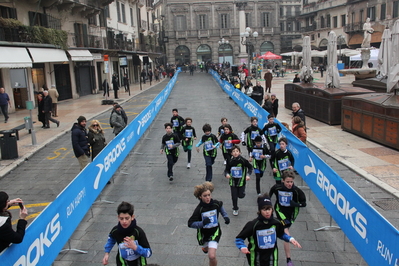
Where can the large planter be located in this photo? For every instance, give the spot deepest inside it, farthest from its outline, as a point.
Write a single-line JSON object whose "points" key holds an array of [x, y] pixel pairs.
{"points": [[318, 102], [373, 116]]}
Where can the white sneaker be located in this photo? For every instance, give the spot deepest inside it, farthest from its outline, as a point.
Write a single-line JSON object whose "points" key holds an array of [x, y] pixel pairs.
{"points": [[224, 162], [235, 212], [188, 166]]}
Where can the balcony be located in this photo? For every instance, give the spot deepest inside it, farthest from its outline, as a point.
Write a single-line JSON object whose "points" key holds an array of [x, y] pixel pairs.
{"points": [[203, 34], [181, 35], [309, 28], [141, 3], [225, 32], [353, 27], [144, 25], [267, 31], [95, 41]]}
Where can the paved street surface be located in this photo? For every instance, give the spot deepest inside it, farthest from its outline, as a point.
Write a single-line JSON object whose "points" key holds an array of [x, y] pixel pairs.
{"points": [[162, 208]]}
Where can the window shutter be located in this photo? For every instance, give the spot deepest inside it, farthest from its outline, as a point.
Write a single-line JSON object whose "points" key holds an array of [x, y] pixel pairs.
{"points": [[85, 36], [206, 21], [13, 13], [31, 15]]}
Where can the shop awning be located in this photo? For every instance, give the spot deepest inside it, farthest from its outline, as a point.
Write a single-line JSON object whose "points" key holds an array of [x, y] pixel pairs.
{"points": [[80, 55], [14, 57], [44, 55]]}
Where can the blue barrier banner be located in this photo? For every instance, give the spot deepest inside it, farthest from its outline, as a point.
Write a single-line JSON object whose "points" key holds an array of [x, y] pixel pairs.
{"points": [[373, 236], [50, 231]]}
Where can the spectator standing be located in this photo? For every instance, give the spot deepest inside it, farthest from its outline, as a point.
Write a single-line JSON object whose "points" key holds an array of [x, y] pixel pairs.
{"points": [[297, 111], [123, 113], [53, 93], [150, 75], [117, 121], [96, 138], [4, 103], [8, 235], [298, 128], [126, 82], [106, 88], [115, 85], [296, 79], [268, 80], [47, 108], [80, 143], [143, 75], [156, 74], [274, 104], [191, 67], [276, 69], [321, 69], [257, 93], [268, 105], [40, 113]]}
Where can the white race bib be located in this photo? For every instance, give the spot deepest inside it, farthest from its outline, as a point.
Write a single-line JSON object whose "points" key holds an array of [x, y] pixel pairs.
{"points": [[266, 238], [212, 215]]}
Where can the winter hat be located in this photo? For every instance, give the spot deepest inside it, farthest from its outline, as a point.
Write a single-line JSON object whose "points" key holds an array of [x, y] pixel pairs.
{"points": [[116, 106], [258, 139], [81, 118], [264, 201]]}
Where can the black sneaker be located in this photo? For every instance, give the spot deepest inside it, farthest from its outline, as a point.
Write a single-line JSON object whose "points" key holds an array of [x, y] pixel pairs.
{"points": [[170, 178]]}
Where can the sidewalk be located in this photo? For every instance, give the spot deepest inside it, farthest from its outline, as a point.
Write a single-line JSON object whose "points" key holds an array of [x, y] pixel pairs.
{"points": [[68, 112]]}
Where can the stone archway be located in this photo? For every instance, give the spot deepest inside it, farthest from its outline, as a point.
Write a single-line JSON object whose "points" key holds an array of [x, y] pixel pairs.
{"points": [[225, 53], [182, 55], [204, 53], [266, 47]]}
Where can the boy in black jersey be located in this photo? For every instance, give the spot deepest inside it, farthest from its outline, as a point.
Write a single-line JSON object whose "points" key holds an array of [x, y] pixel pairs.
{"points": [[249, 134], [189, 135], [258, 156], [262, 234], [133, 246], [170, 144], [227, 141], [206, 220], [271, 131], [211, 144], [289, 198], [238, 171], [282, 160], [221, 128], [177, 122]]}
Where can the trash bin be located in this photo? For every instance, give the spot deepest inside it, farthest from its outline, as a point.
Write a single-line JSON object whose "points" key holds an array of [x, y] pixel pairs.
{"points": [[8, 145], [28, 122]]}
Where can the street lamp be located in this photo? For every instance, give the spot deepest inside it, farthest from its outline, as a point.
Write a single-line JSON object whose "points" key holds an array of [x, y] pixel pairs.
{"points": [[246, 39], [341, 40], [223, 44]]}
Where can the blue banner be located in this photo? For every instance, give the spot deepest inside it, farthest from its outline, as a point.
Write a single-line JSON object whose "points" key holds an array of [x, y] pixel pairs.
{"points": [[373, 236], [50, 231]]}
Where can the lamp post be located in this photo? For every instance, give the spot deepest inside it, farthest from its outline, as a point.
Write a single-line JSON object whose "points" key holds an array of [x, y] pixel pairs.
{"points": [[223, 43], [246, 40], [341, 40]]}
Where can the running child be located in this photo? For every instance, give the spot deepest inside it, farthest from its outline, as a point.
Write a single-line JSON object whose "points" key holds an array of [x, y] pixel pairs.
{"points": [[221, 128], [133, 246], [177, 121], [271, 131], [258, 156], [205, 219], [227, 140], [211, 144], [238, 171], [289, 198], [170, 144], [262, 234], [189, 135], [249, 134], [282, 160]]}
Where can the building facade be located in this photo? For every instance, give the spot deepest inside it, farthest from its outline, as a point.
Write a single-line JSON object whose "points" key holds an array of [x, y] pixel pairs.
{"points": [[194, 29]]}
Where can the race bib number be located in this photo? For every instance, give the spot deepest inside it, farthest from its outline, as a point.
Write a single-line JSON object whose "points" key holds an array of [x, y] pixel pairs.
{"points": [[284, 198], [175, 123], [256, 153], [283, 164], [266, 238], [128, 253], [272, 131], [170, 142], [212, 215], [208, 145], [189, 133], [221, 131], [254, 134], [228, 145], [236, 172]]}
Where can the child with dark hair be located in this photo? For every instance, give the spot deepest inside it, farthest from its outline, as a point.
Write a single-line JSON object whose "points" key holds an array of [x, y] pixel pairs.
{"points": [[258, 156], [289, 198], [249, 134], [211, 144], [238, 171], [205, 219], [227, 141], [189, 135], [133, 246], [282, 160], [262, 234], [223, 120], [7, 233], [177, 122], [170, 144]]}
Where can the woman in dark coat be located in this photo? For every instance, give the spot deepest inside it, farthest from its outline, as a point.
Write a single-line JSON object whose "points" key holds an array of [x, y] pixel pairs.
{"points": [[40, 114], [96, 138], [267, 105], [274, 104]]}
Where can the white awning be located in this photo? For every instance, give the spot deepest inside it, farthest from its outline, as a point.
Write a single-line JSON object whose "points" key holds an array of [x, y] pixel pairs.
{"points": [[14, 57], [80, 55], [44, 55], [141, 58]]}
